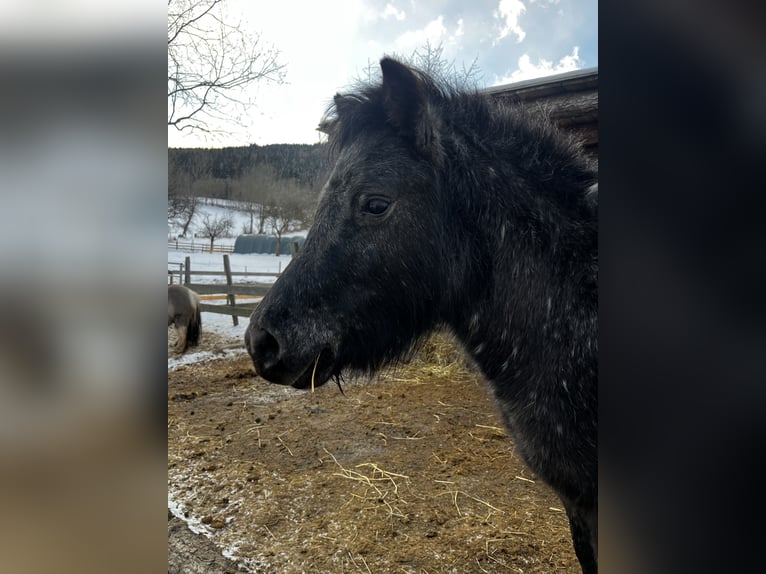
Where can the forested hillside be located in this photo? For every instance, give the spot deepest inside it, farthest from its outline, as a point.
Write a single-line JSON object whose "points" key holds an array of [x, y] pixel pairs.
{"points": [[220, 172], [277, 185]]}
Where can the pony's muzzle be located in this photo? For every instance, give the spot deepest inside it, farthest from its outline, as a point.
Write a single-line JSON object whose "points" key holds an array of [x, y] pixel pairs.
{"points": [[275, 362]]}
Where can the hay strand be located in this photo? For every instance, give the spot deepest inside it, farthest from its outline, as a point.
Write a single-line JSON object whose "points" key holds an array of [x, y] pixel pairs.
{"points": [[373, 481], [314, 372]]}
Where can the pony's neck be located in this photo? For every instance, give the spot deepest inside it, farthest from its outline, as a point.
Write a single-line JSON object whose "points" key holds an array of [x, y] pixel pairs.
{"points": [[523, 282], [534, 301]]}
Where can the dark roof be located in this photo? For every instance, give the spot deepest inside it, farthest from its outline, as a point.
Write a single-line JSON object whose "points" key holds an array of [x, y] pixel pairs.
{"points": [[574, 81]]}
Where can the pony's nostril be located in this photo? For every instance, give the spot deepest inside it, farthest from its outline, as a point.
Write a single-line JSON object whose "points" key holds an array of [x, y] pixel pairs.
{"points": [[264, 348]]}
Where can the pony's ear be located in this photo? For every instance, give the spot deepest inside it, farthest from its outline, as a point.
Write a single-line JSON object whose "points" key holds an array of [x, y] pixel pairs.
{"points": [[406, 101], [403, 94]]}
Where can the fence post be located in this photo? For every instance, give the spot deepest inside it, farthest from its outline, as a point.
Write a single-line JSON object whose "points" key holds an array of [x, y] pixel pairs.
{"points": [[187, 270], [230, 297], [293, 248]]}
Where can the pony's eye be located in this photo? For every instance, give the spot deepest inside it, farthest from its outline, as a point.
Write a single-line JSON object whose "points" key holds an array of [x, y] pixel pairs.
{"points": [[376, 206]]}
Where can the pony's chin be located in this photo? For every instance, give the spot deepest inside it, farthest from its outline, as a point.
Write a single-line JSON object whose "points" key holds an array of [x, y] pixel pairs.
{"points": [[320, 372]]}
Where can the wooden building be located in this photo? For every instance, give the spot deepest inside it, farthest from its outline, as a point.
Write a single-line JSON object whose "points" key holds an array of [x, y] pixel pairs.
{"points": [[571, 99]]}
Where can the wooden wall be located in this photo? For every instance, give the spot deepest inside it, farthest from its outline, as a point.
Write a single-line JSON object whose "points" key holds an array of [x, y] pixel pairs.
{"points": [[571, 99]]}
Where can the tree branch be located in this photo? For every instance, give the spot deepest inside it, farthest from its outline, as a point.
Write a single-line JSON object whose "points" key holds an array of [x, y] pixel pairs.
{"points": [[211, 63]]}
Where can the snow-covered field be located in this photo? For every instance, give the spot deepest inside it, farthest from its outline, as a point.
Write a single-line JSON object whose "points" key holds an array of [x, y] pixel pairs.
{"points": [[264, 263], [240, 219]]}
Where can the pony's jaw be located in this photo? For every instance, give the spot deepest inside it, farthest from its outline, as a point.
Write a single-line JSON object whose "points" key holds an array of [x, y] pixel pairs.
{"points": [[318, 371]]}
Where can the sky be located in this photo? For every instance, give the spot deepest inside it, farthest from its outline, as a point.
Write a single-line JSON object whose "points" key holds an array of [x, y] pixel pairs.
{"points": [[326, 45]]}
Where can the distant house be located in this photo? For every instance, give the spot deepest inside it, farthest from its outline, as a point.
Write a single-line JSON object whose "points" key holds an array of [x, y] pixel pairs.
{"points": [[571, 99]]}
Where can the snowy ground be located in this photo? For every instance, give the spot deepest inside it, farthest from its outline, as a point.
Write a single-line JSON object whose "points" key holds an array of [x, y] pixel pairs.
{"points": [[239, 262], [220, 325], [264, 263]]}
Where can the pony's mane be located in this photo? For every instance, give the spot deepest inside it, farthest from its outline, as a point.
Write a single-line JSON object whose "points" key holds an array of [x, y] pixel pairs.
{"points": [[362, 109], [468, 123]]}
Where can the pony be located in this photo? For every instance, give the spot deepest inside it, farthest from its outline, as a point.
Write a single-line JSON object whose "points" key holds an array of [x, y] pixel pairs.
{"points": [[184, 313], [448, 209]]}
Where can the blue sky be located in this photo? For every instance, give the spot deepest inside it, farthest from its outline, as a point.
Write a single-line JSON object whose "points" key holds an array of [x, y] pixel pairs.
{"points": [[325, 45]]}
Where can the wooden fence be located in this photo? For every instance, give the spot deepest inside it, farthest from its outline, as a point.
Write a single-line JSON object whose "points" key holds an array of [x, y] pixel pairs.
{"points": [[199, 246], [228, 289], [181, 272]]}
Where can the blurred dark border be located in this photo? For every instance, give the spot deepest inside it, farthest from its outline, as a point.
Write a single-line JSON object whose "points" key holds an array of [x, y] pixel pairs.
{"points": [[682, 327], [83, 175]]}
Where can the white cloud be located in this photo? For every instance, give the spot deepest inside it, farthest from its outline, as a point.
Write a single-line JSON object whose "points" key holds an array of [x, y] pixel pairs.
{"points": [[391, 11], [459, 32], [528, 71], [433, 32], [510, 11]]}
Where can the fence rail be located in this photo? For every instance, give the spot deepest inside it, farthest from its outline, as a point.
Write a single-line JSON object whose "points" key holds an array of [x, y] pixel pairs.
{"points": [[233, 310], [237, 273], [201, 247], [177, 272], [252, 289]]}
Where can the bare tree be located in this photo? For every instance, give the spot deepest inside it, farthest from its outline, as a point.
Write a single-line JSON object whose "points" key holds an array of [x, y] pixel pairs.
{"points": [[257, 187], [250, 209], [184, 183], [287, 211], [210, 63], [189, 211], [182, 204], [216, 227], [178, 183], [431, 60]]}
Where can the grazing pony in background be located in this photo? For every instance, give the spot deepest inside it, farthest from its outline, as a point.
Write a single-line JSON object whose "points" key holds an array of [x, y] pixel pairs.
{"points": [[184, 313], [449, 209]]}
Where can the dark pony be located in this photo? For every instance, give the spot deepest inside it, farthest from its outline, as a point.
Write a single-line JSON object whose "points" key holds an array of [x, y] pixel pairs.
{"points": [[447, 208], [184, 313]]}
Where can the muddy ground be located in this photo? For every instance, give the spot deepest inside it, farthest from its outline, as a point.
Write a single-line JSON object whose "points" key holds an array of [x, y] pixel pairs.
{"points": [[410, 472]]}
